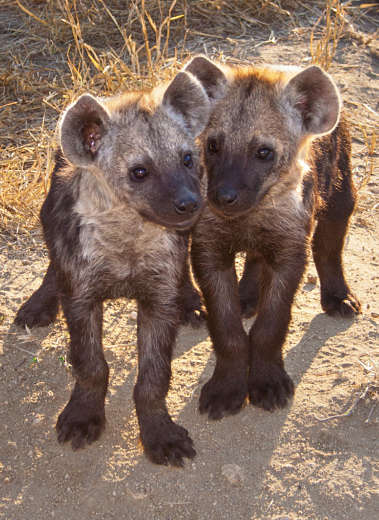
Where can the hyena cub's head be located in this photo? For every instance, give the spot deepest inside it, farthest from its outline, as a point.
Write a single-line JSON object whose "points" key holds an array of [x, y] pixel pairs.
{"points": [[141, 148], [259, 130]]}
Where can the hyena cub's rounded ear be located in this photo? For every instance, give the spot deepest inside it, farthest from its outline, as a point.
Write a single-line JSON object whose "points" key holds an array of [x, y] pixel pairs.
{"points": [[82, 130], [314, 94], [187, 103], [210, 76]]}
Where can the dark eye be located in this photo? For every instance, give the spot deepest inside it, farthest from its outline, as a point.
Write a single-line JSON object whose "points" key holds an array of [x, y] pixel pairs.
{"points": [[187, 160], [212, 146], [138, 174], [264, 154]]}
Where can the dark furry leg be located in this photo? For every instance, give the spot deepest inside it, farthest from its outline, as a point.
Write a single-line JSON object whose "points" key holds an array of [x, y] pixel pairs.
{"points": [[225, 393], [328, 241], [336, 296], [249, 287], [329, 236], [83, 419], [164, 441], [41, 308], [270, 386], [192, 310]]}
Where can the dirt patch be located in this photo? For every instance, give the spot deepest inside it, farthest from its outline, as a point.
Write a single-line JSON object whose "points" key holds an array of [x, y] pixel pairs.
{"points": [[316, 459]]}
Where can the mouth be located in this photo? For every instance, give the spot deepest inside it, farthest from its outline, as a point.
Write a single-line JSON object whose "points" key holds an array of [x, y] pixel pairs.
{"points": [[229, 213], [182, 225]]}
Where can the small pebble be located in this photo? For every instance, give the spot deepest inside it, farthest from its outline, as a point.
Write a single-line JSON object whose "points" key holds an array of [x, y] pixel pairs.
{"points": [[233, 473], [311, 278]]}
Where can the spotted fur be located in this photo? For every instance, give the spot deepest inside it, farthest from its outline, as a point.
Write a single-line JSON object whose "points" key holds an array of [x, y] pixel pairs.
{"points": [[124, 193], [277, 157]]}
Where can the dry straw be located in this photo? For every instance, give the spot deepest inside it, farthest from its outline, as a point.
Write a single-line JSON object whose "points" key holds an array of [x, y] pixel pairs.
{"points": [[324, 49], [50, 52]]}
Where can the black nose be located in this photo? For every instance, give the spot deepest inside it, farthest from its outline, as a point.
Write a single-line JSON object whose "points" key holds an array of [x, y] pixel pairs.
{"points": [[187, 202], [226, 196]]}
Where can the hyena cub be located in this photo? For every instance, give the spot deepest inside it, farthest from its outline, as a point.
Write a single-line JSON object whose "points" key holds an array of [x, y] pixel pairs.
{"points": [[278, 161], [124, 192]]}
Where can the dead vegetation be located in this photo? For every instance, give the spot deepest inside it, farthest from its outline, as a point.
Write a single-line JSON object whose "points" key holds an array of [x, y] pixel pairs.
{"points": [[52, 51]]}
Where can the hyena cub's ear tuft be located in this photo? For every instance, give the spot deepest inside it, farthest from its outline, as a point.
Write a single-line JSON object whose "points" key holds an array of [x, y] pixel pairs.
{"points": [[187, 103], [82, 130], [210, 76], [314, 94]]}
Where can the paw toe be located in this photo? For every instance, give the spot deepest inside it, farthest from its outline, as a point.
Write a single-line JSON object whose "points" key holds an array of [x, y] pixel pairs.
{"points": [[346, 307], [272, 391]]}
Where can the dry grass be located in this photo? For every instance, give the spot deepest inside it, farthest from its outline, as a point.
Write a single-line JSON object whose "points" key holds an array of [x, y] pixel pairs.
{"points": [[368, 154], [51, 51], [55, 51], [324, 49]]}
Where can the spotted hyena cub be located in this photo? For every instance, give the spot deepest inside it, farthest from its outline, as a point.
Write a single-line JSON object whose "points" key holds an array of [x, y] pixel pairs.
{"points": [[277, 157], [124, 193]]}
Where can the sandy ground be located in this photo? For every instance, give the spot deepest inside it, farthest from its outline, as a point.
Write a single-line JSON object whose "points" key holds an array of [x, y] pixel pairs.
{"points": [[297, 463]]}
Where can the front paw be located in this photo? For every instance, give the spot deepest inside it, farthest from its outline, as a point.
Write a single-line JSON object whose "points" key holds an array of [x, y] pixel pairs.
{"points": [[164, 441], [223, 396], [81, 423], [270, 386]]}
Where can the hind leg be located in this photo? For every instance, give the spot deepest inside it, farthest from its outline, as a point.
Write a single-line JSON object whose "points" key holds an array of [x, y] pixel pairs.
{"points": [[42, 307], [248, 286], [327, 246], [192, 311]]}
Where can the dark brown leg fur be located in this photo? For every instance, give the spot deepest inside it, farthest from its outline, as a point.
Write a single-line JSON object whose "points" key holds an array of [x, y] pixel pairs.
{"points": [[249, 287], [226, 391], [327, 245], [192, 311], [164, 441], [83, 419], [41, 308], [270, 386]]}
